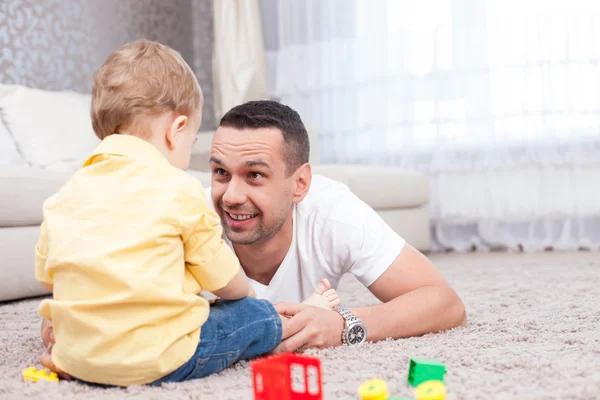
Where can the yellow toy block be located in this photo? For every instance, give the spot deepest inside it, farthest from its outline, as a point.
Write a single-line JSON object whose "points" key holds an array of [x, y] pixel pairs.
{"points": [[431, 390], [373, 389], [32, 374]]}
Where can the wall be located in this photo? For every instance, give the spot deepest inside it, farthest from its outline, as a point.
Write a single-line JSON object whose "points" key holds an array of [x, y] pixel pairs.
{"points": [[58, 44]]}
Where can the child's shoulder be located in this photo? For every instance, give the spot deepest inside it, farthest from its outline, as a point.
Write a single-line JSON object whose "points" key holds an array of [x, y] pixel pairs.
{"points": [[187, 184]]}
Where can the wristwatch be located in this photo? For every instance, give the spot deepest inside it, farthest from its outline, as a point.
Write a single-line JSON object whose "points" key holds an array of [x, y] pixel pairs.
{"points": [[355, 332]]}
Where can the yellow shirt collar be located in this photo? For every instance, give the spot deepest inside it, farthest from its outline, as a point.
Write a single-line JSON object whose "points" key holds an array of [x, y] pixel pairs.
{"points": [[128, 146]]}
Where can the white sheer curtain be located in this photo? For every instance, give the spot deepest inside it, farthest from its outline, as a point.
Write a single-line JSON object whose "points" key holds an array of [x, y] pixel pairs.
{"points": [[498, 101], [238, 54]]}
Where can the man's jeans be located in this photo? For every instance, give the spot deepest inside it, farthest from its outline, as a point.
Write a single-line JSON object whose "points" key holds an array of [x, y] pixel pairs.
{"points": [[235, 330]]}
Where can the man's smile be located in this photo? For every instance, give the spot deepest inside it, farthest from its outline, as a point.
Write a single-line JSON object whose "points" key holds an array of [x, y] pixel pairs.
{"points": [[240, 217]]}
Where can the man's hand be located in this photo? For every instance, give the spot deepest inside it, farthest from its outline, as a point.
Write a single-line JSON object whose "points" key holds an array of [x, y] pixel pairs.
{"points": [[309, 327], [47, 334]]}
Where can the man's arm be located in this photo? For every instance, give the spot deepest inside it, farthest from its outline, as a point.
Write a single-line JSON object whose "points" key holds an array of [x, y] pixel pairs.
{"points": [[416, 300]]}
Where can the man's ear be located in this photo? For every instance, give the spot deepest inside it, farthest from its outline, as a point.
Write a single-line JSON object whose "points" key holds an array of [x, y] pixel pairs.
{"points": [[174, 129], [302, 179]]}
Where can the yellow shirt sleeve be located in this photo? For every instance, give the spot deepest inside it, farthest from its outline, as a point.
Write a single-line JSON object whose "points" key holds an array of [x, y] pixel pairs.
{"points": [[210, 260], [41, 253]]}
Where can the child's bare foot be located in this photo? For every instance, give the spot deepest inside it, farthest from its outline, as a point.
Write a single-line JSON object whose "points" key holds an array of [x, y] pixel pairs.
{"points": [[324, 296], [46, 361]]}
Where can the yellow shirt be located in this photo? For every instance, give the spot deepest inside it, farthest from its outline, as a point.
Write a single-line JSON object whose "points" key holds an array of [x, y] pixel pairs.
{"points": [[128, 243]]}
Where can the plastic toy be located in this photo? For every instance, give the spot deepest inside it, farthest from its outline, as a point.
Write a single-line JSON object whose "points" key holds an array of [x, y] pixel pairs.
{"points": [[373, 389], [32, 374], [431, 390], [287, 376], [422, 370]]}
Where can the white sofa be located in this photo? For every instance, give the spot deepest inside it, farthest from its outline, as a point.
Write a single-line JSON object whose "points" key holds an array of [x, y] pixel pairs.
{"points": [[44, 137]]}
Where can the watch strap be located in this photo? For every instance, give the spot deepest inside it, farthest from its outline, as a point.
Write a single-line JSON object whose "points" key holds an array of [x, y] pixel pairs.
{"points": [[349, 318], [347, 315]]}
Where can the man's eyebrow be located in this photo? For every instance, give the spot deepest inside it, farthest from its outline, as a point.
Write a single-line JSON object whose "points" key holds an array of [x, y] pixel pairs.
{"points": [[215, 160], [257, 163]]}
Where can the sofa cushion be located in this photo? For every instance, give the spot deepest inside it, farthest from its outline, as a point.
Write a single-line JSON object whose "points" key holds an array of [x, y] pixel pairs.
{"points": [[52, 129], [24, 190], [9, 154], [380, 187]]}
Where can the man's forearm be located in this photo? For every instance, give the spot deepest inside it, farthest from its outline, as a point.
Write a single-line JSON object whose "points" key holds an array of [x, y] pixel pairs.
{"points": [[424, 310]]}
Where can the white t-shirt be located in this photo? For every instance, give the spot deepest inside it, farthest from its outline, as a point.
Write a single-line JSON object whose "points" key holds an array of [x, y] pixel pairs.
{"points": [[334, 233]]}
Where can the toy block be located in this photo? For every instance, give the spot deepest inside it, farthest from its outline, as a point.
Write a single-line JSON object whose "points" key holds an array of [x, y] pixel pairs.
{"points": [[32, 374], [373, 389], [287, 376], [422, 370], [431, 390]]}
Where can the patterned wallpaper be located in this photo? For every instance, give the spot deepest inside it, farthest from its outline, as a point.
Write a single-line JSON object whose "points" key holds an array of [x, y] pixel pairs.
{"points": [[58, 44]]}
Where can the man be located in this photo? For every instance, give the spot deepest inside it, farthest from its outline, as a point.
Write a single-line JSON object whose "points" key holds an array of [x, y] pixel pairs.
{"points": [[290, 229]]}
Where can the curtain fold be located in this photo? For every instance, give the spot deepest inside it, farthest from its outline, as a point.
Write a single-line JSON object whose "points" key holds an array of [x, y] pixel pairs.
{"points": [[239, 69]]}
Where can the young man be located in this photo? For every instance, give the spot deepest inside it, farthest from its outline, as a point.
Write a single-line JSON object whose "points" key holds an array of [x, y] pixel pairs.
{"points": [[289, 229]]}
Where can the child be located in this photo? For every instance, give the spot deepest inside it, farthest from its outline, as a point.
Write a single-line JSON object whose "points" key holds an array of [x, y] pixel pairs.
{"points": [[130, 241]]}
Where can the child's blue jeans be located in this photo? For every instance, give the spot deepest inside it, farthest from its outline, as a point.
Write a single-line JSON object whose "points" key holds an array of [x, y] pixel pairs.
{"points": [[235, 330]]}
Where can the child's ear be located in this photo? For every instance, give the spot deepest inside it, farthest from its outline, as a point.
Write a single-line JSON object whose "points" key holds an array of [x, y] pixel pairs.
{"points": [[174, 130]]}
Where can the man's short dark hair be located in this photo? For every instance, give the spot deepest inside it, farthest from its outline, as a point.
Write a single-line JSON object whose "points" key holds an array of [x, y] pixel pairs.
{"points": [[272, 114]]}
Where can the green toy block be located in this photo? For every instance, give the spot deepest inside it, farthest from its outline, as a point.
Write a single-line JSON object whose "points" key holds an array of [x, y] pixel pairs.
{"points": [[422, 370]]}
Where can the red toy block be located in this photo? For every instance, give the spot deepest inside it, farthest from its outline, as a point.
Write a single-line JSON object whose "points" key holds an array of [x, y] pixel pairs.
{"points": [[287, 376]]}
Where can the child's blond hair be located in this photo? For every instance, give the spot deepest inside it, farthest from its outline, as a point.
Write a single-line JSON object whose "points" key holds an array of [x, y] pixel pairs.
{"points": [[141, 79]]}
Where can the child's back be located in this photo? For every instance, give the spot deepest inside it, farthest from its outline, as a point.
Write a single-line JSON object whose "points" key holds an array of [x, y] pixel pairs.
{"points": [[130, 241], [125, 310]]}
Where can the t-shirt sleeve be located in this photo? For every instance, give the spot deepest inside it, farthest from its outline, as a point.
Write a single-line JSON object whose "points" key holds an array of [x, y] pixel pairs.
{"points": [[207, 256], [363, 243]]}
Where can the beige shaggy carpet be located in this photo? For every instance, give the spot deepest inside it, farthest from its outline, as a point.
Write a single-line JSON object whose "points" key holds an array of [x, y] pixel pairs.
{"points": [[533, 333]]}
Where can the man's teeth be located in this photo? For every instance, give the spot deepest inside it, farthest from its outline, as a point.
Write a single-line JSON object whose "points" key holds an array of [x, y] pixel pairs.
{"points": [[241, 217]]}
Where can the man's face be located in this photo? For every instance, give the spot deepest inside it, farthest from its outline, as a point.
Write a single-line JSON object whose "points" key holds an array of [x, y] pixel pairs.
{"points": [[250, 190]]}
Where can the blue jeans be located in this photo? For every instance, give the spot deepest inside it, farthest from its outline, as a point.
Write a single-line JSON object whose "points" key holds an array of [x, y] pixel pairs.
{"points": [[235, 330]]}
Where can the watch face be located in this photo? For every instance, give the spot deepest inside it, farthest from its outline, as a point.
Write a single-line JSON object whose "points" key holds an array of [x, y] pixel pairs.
{"points": [[356, 334]]}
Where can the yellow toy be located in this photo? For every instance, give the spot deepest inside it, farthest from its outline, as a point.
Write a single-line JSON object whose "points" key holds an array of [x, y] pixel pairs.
{"points": [[431, 390], [32, 374], [373, 389]]}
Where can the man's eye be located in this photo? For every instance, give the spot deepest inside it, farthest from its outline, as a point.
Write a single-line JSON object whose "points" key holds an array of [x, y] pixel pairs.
{"points": [[255, 175], [220, 171]]}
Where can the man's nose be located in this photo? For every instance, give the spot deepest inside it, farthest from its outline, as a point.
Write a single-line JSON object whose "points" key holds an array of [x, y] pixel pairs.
{"points": [[235, 194]]}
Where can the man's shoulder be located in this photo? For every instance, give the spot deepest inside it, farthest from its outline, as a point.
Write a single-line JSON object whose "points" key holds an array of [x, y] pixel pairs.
{"points": [[324, 193], [332, 201]]}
